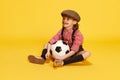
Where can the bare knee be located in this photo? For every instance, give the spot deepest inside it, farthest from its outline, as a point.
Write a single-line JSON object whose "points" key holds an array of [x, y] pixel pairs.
{"points": [[86, 54]]}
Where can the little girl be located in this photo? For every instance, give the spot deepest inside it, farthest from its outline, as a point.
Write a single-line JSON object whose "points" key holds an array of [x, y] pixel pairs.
{"points": [[69, 34]]}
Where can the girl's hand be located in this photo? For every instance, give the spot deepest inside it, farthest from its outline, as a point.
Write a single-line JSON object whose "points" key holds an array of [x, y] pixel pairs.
{"points": [[47, 55]]}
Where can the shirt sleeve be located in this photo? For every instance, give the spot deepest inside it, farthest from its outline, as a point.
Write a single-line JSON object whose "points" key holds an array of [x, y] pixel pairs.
{"points": [[77, 41], [55, 38]]}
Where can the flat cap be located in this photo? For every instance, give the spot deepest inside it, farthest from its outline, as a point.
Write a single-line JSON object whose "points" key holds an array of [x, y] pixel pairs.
{"points": [[71, 14]]}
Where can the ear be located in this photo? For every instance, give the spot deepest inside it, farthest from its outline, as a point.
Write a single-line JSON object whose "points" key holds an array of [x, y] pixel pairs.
{"points": [[74, 22]]}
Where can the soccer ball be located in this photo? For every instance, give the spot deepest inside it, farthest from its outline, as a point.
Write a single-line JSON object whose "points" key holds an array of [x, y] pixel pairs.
{"points": [[59, 48]]}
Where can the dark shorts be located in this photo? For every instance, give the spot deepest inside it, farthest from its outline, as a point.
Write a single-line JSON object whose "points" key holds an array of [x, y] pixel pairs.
{"points": [[80, 49]]}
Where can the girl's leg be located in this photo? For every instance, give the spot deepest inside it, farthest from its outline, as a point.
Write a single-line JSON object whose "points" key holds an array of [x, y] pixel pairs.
{"points": [[44, 51], [38, 60], [78, 57]]}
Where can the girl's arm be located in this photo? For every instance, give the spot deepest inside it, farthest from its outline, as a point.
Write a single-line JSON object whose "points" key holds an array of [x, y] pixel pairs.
{"points": [[48, 48], [48, 51], [68, 55]]}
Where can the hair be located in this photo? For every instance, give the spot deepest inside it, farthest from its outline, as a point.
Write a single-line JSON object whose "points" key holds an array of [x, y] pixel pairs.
{"points": [[76, 26]]}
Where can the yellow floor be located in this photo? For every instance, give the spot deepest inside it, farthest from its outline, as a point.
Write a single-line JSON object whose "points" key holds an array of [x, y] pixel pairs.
{"points": [[25, 25], [103, 64]]}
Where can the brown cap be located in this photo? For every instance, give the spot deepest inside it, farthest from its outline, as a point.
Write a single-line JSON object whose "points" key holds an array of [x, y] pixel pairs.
{"points": [[71, 14]]}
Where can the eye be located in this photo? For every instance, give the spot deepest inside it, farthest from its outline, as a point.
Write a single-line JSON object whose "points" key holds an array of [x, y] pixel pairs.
{"points": [[68, 18], [64, 17]]}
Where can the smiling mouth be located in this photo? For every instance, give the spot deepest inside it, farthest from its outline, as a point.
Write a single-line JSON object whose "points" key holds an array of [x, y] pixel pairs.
{"points": [[65, 23]]}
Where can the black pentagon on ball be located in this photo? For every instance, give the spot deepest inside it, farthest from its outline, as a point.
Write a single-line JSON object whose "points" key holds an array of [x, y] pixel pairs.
{"points": [[64, 43], [58, 49], [67, 51]]}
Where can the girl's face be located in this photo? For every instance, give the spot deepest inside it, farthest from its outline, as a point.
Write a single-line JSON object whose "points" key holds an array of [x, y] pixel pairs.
{"points": [[68, 22]]}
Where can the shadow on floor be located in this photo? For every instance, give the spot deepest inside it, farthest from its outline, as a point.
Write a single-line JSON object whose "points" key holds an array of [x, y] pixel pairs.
{"points": [[83, 63]]}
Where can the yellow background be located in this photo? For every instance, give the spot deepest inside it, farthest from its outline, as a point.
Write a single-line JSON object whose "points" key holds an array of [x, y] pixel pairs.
{"points": [[25, 25]]}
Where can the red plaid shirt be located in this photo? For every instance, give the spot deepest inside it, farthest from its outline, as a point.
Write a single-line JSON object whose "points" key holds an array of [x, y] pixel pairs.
{"points": [[67, 34]]}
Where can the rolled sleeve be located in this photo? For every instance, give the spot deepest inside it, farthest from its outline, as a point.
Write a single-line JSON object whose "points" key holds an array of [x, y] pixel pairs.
{"points": [[77, 41], [55, 38]]}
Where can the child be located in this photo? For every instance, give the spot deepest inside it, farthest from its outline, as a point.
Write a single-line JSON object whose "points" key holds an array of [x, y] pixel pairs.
{"points": [[71, 35]]}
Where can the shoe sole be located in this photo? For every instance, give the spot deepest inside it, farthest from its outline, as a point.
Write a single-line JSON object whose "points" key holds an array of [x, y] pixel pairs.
{"points": [[35, 60]]}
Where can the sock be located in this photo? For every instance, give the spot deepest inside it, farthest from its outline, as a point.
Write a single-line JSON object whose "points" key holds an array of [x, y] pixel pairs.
{"points": [[74, 59], [44, 53]]}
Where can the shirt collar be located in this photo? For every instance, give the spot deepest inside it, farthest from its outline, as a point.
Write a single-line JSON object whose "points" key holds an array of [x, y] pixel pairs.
{"points": [[69, 30]]}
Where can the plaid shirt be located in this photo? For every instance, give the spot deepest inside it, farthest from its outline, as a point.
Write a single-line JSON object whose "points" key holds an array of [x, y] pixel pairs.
{"points": [[67, 34]]}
